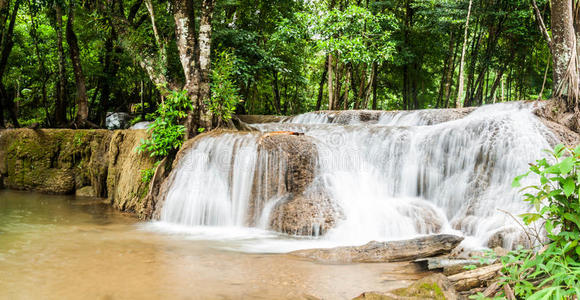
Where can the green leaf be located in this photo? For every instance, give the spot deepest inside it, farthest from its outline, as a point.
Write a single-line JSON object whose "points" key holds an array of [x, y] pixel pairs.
{"points": [[566, 165], [569, 186]]}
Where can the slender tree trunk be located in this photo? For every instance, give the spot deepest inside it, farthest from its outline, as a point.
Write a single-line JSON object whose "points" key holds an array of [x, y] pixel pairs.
{"points": [[544, 81], [348, 72], [6, 44], [330, 82], [462, 63], [321, 85], [446, 70], [61, 94], [75, 56], [450, 73], [375, 87], [276, 89]]}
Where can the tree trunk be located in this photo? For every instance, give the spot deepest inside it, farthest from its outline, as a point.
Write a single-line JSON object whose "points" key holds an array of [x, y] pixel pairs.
{"points": [[6, 44], [200, 117], [82, 100], [393, 251], [565, 64], [496, 83], [61, 94], [330, 82], [462, 63], [448, 68], [276, 89], [375, 87], [321, 85]]}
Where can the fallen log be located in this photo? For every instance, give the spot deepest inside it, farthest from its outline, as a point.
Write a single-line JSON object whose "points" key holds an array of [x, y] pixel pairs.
{"points": [[393, 251], [475, 278], [449, 266]]}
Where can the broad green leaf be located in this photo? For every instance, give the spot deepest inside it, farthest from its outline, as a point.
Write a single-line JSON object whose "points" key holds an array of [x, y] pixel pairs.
{"points": [[569, 186]]}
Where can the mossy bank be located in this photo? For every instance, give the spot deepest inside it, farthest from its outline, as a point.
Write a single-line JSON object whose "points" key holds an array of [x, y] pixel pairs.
{"points": [[99, 163]]}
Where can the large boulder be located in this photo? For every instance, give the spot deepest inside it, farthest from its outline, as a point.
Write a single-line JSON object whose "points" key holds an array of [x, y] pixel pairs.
{"points": [[305, 208], [118, 120]]}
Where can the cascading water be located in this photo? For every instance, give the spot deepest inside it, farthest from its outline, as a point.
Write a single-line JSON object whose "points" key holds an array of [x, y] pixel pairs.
{"points": [[394, 175]]}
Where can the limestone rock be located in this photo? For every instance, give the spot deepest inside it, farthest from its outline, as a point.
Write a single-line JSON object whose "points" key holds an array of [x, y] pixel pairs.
{"points": [[65, 161], [310, 214], [117, 120], [305, 210], [87, 191]]}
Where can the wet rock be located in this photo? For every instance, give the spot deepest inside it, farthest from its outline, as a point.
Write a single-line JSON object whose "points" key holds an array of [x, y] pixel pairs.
{"points": [[393, 251], [117, 120], [304, 209], [257, 119], [87, 191], [141, 125], [435, 286], [126, 189], [312, 214], [508, 238]]}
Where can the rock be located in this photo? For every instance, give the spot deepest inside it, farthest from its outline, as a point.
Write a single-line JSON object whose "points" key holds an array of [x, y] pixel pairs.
{"points": [[303, 209], [257, 119], [87, 191], [141, 125], [435, 286], [126, 189], [393, 251], [65, 161], [311, 214], [117, 120], [508, 238], [56, 161]]}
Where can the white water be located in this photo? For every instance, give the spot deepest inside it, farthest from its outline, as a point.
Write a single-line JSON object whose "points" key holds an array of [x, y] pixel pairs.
{"points": [[395, 176]]}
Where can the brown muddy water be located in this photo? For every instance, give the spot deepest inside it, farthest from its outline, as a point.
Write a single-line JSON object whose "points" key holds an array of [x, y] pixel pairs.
{"points": [[62, 247]]}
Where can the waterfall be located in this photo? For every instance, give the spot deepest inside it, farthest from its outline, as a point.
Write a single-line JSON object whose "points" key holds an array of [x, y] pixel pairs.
{"points": [[393, 175]]}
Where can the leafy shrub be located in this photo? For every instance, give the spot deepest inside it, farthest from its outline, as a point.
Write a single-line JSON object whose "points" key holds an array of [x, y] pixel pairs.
{"points": [[554, 271], [166, 131], [224, 91]]}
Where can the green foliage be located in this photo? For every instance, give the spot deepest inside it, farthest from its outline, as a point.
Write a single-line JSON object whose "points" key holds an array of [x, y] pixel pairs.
{"points": [[554, 271], [224, 92], [167, 133]]}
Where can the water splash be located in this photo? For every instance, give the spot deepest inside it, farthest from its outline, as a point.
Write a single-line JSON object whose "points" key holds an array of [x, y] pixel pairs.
{"points": [[395, 175]]}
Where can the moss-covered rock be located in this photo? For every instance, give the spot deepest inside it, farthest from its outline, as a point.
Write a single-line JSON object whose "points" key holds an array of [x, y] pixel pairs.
{"points": [[57, 161], [436, 287], [62, 161], [126, 189]]}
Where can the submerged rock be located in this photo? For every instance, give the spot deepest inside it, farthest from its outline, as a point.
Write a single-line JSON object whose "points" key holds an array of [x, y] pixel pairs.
{"points": [[87, 191], [393, 251]]}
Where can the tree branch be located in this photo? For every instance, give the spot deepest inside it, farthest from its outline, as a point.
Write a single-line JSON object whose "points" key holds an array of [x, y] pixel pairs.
{"points": [[541, 24]]}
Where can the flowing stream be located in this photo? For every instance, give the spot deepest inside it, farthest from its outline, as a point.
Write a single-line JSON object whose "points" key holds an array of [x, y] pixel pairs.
{"points": [[62, 247], [393, 175]]}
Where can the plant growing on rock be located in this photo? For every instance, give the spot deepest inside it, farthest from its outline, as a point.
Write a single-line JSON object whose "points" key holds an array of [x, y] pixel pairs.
{"points": [[167, 132], [554, 271], [224, 91]]}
